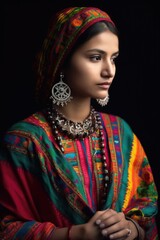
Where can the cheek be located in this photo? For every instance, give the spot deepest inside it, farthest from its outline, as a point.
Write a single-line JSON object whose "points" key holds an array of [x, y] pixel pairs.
{"points": [[78, 72], [84, 67]]}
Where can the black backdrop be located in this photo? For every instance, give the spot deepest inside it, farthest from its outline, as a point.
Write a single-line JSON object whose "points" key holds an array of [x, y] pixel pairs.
{"points": [[134, 94]]}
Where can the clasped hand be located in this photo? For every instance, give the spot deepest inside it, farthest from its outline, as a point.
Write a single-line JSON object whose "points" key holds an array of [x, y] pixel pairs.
{"points": [[108, 224]]}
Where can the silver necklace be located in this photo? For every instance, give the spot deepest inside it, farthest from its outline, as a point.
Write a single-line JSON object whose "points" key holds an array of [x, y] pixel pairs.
{"points": [[75, 130]]}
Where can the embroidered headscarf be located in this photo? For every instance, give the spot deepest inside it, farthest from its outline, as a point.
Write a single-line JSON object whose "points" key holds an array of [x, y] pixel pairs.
{"points": [[64, 30]]}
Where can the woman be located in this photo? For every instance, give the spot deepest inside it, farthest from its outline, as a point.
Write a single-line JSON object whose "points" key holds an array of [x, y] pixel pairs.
{"points": [[68, 171]]}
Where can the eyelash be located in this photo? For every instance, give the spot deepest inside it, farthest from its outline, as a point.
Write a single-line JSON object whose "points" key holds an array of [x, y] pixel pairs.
{"points": [[96, 58], [114, 59]]}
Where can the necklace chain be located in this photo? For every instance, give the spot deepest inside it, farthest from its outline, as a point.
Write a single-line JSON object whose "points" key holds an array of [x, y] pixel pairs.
{"points": [[77, 130]]}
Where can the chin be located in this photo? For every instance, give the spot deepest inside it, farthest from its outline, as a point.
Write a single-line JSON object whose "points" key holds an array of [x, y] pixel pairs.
{"points": [[102, 96]]}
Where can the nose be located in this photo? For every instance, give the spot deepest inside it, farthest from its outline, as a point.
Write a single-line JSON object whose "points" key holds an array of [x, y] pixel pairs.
{"points": [[108, 69]]}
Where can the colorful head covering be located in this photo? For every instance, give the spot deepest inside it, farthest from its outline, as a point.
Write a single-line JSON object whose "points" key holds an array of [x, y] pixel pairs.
{"points": [[64, 30]]}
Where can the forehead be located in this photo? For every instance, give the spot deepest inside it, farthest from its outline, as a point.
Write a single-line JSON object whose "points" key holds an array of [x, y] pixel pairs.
{"points": [[106, 41]]}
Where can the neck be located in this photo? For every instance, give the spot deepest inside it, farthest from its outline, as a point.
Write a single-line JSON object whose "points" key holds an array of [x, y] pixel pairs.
{"points": [[75, 111]]}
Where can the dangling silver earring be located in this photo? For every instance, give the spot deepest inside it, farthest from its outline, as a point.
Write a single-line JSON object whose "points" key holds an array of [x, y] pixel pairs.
{"points": [[103, 102], [61, 92]]}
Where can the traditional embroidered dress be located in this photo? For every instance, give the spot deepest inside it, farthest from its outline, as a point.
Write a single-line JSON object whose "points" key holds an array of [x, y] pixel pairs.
{"points": [[41, 188]]}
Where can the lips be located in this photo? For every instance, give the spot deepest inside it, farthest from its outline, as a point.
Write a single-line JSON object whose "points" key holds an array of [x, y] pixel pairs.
{"points": [[104, 85]]}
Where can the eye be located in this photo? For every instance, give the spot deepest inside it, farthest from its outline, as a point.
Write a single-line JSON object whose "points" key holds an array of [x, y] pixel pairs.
{"points": [[113, 59], [95, 58]]}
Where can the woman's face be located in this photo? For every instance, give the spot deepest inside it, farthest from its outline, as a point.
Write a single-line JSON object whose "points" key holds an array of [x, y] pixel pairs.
{"points": [[92, 66]]}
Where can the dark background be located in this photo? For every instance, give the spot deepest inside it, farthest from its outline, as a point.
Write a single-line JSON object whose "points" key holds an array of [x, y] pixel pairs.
{"points": [[134, 94]]}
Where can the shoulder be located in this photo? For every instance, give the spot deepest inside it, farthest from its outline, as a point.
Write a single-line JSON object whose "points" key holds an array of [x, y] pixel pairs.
{"points": [[117, 127], [114, 120], [30, 127]]}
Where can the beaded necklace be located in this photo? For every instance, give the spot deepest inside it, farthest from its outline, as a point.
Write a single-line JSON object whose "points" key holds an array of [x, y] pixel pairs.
{"points": [[77, 130]]}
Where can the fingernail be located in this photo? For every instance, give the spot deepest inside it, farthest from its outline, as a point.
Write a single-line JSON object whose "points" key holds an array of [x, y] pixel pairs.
{"points": [[98, 221], [104, 232], [102, 225], [111, 236]]}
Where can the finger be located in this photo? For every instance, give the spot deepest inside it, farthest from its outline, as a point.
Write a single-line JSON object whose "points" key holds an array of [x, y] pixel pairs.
{"points": [[116, 218], [97, 216], [112, 229], [105, 214], [122, 234]]}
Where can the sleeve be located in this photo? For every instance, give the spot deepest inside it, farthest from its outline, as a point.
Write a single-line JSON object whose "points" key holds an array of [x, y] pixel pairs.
{"points": [[21, 193], [140, 201]]}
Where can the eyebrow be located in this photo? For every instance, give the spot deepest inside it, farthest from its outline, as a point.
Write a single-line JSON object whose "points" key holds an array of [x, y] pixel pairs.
{"points": [[102, 52]]}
